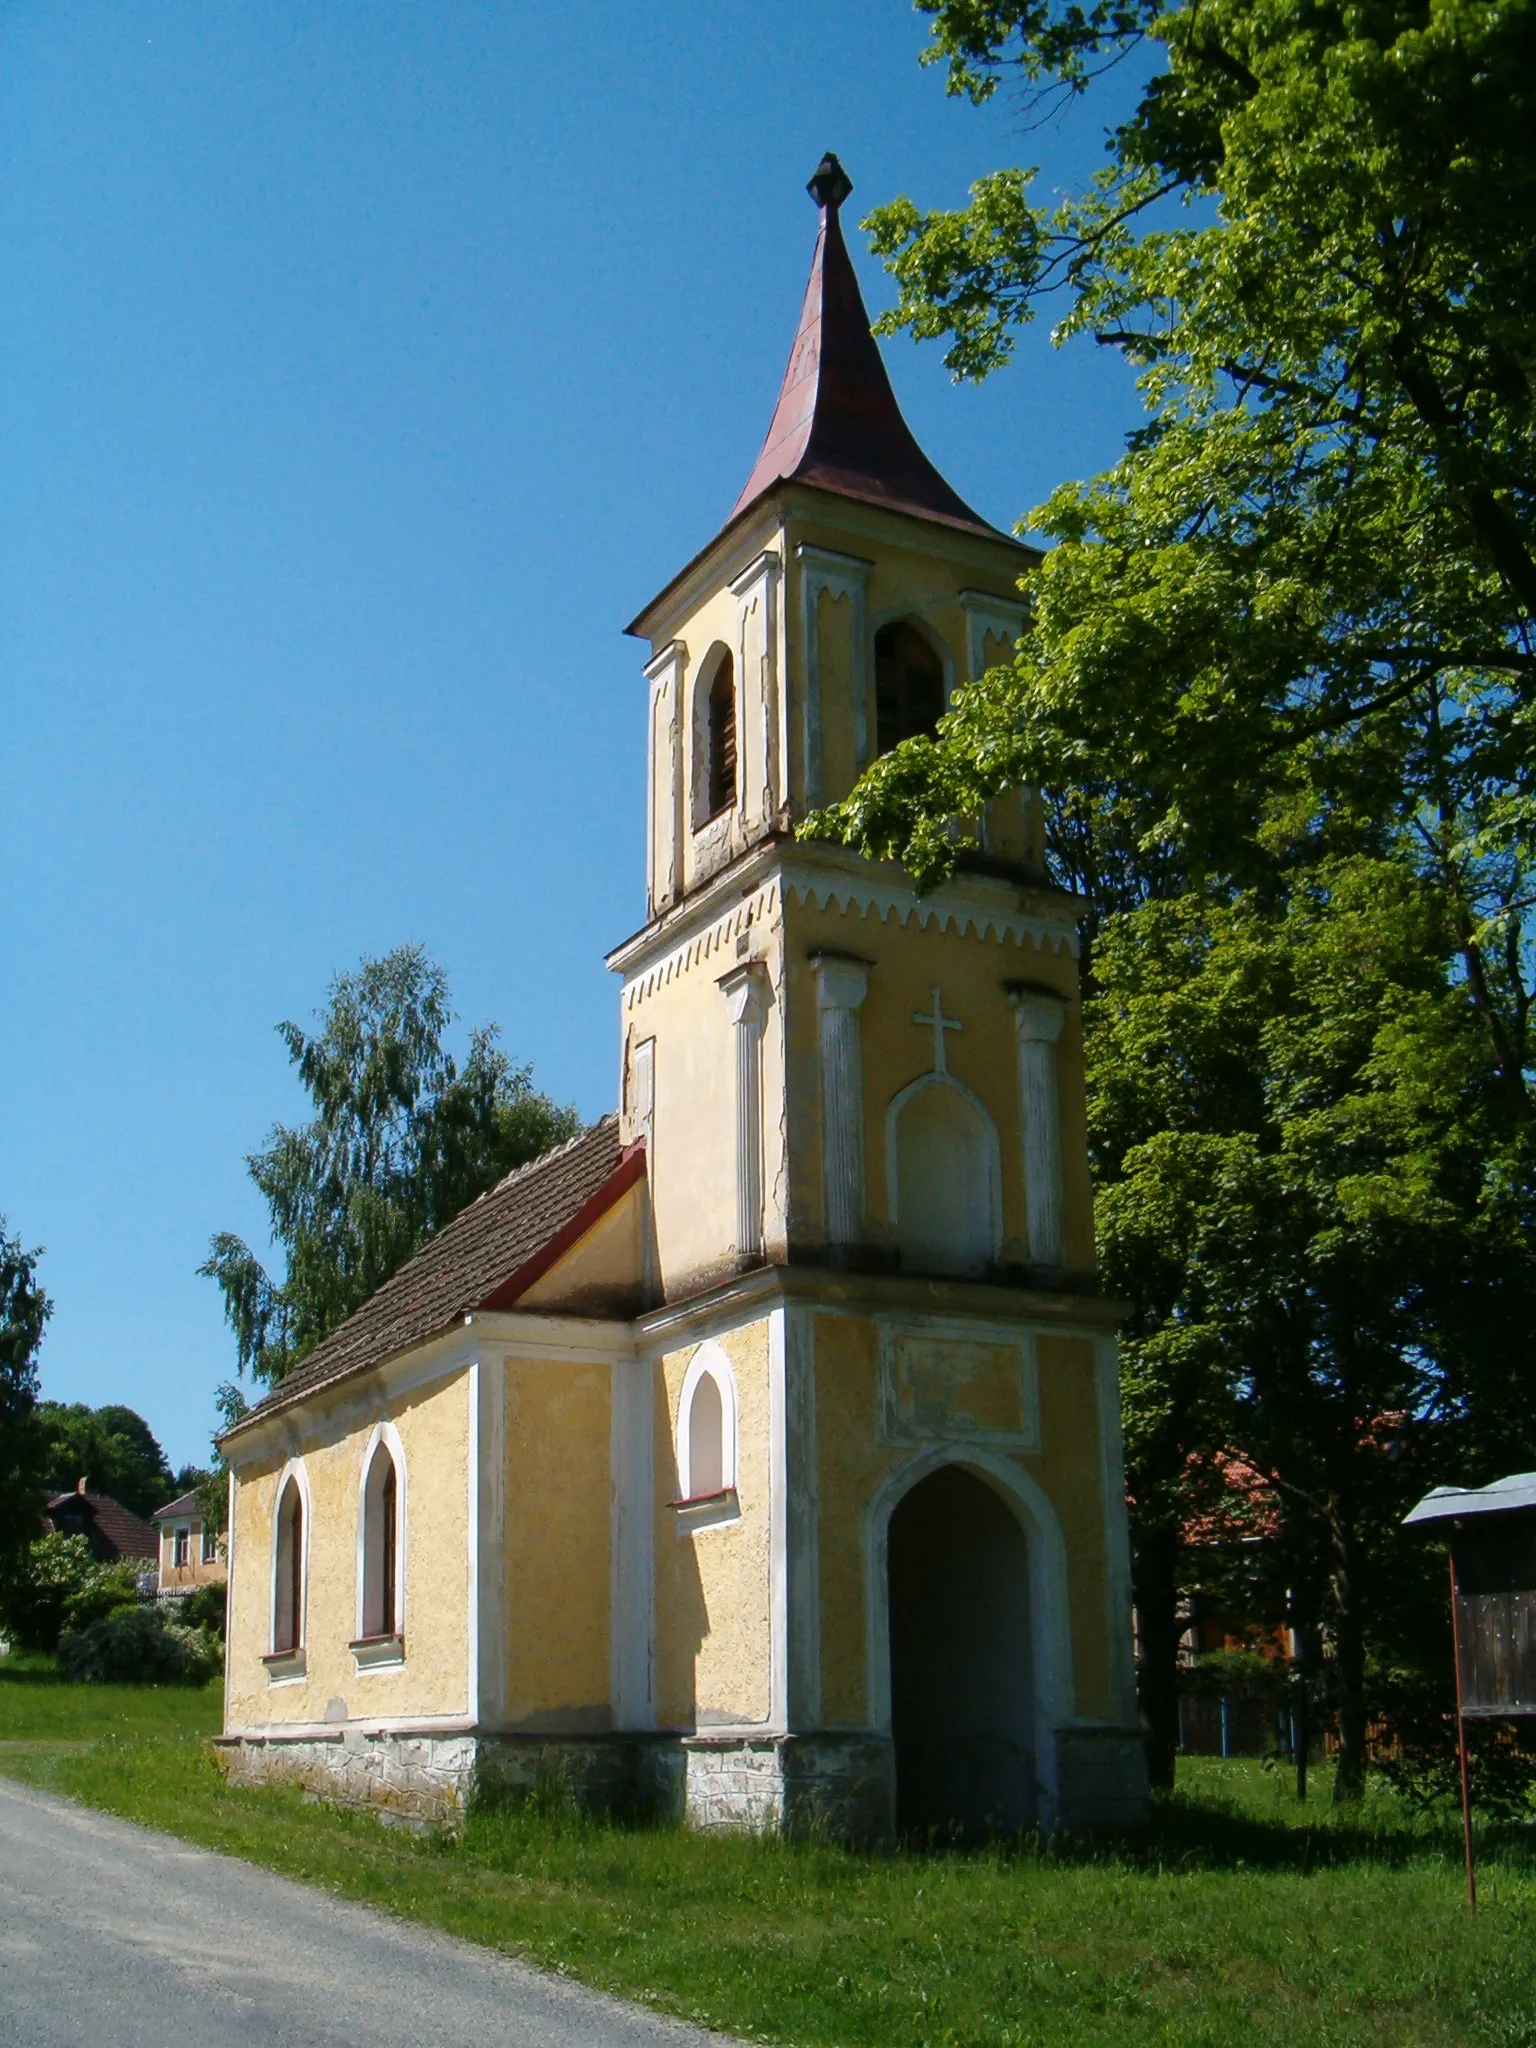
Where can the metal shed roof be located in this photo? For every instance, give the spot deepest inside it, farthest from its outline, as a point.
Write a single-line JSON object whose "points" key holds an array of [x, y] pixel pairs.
{"points": [[1450, 1503]]}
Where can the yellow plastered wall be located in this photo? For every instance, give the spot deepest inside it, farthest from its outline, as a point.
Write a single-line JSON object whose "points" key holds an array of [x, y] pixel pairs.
{"points": [[1069, 1471], [434, 1434], [908, 961], [692, 1159], [713, 1616], [853, 1463], [603, 1271], [557, 1536]]}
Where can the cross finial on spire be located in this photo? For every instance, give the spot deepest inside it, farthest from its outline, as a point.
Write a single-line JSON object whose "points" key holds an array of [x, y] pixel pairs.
{"points": [[830, 184]]}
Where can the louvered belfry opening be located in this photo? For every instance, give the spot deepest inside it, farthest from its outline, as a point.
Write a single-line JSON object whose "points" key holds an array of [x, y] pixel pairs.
{"points": [[909, 686], [722, 738]]}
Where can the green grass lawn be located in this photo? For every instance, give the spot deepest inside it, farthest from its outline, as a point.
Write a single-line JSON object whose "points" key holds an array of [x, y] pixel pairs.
{"points": [[35, 1707], [1238, 1918]]}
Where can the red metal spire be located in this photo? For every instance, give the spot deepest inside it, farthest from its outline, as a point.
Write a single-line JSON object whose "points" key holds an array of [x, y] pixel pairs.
{"points": [[837, 424]]}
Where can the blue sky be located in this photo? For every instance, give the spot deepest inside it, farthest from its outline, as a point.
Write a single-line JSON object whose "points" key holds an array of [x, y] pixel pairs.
{"points": [[363, 368]]}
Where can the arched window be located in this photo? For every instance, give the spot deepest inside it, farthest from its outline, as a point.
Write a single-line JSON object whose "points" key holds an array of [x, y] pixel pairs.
{"points": [[706, 1432], [288, 1577], [909, 686], [381, 1541], [722, 737], [943, 1152]]}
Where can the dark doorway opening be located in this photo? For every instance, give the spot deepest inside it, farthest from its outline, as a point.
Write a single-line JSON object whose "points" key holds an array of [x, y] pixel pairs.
{"points": [[962, 1690]]}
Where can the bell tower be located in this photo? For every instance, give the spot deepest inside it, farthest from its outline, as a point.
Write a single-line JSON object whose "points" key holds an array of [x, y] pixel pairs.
{"points": [[849, 593]]}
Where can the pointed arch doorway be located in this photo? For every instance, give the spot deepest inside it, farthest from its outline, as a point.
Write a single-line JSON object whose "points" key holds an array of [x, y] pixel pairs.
{"points": [[962, 1676]]}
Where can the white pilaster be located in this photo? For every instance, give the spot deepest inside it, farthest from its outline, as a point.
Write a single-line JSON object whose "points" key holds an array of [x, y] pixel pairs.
{"points": [[1038, 1018], [986, 616], [844, 576], [756, 591], [664, 834], [746, 996], [841, 986], [632, 1573]]}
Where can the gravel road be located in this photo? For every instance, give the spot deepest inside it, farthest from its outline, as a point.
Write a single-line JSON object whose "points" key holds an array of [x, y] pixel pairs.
{"points": [[113, 1935]]}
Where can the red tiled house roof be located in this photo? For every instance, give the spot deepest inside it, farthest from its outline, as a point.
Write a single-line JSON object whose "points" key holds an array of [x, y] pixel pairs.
{"points": [[489, 1254], [114, 1532]]}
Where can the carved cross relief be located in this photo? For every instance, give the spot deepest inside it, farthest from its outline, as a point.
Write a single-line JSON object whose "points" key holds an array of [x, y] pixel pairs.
{"points": [[939, 1024]]}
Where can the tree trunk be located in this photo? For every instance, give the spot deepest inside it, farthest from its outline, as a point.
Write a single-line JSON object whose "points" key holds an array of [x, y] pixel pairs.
{"points": [[1154, 1573], [1349, 1671]]}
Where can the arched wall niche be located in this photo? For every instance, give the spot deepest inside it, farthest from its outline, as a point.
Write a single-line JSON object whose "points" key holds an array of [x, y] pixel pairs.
{"points": [[944, 1177]]}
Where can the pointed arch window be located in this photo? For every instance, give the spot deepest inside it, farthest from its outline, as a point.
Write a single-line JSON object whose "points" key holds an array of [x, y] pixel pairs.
{"points": [[722, 737], [288, 1575], [909, 686], [381, 1553]]}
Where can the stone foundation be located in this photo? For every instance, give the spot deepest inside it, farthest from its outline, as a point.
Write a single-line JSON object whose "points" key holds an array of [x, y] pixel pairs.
{"points": [[422, 1778], [833, 1786]]}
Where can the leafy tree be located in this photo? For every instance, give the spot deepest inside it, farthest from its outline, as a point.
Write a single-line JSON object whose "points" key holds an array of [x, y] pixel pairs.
{"points": [[24, 1312], [113, 1448], [402, 1139], [1288, 632], [1292, 1107]]}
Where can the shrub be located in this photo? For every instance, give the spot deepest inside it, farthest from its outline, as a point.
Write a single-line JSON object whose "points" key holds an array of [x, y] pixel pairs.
{"points": [[59, 1586], [1239, 1674], [206, 1608], [138, 1646], [1415, 1750]]}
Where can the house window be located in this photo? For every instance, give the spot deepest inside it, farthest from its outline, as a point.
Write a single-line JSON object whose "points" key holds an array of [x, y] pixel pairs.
{"points": [[381, 1606], [909, 686], [706, 1436], [722, 737], [288, 1590], [210, 1546], [182, 1552]]}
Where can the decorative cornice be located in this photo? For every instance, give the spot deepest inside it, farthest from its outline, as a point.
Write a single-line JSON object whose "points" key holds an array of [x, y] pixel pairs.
{"points": [[760, 907], [752, 891], [968, 914]]}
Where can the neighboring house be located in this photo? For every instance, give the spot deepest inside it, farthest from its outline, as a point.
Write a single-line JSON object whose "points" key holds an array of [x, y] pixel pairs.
{"points": [[189, 1550], [115, 1534], [755, 1456]]}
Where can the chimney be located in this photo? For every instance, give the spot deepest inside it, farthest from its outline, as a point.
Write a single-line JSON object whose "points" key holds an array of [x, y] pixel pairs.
{"points": [[80, 1485]]}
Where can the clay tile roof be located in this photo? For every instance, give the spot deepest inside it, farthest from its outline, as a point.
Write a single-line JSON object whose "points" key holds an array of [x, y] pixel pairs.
{"points": [[501, 1233], [837, 424], [112, 1530], [183, 1504]]}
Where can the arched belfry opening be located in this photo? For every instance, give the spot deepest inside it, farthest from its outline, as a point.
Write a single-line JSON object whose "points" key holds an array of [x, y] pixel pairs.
{"points": [[909, 686], [962, 1674]]}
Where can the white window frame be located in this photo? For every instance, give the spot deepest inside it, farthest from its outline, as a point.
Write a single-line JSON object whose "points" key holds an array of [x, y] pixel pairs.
{"points": [[182, 1530], [712, 1361], [384, 1657]]}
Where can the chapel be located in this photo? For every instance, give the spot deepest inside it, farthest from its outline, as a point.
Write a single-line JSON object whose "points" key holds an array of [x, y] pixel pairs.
{"points": [[755, 1457]]}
